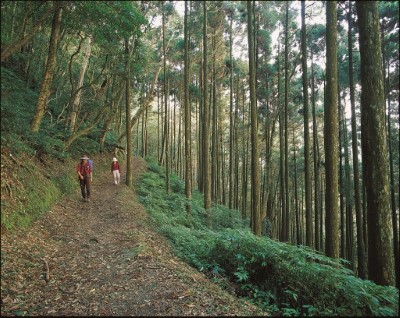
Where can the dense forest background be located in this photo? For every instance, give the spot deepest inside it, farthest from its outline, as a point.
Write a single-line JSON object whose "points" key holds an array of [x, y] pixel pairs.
{"points": [[287, 112]]}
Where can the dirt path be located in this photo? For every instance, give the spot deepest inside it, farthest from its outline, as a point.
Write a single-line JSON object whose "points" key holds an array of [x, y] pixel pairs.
{"points": [[103, 259]]}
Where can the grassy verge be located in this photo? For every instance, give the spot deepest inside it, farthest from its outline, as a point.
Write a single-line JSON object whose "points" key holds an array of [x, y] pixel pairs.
{"points": [[281, 278], [29, 190]]}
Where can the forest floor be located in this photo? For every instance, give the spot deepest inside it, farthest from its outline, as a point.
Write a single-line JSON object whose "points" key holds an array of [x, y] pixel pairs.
{"points": [[104, 258]]}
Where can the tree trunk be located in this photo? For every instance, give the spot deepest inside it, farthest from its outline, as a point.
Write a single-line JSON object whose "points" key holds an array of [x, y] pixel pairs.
{"points": [[286, 216], [391, 172], [129, 144], [206, 122], [112, 115], [393, 203], [341, 192], [348, 195], [236, 143], [307, 172], [374, 149], [214, 122], [255, 169], [166, 95], [296, 199], [281, 156], [317, 215], [76, 95], [362, 270], [231, 119], [188, 123], [330, 134], [200, 139], [45, 86]]}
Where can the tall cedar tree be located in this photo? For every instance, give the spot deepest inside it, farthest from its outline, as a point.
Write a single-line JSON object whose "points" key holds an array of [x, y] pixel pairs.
{"points": [[166, 94], [286, 217], [331, 133], [206, 121], [255, 176], [307, 175], [362, 271], [373, 137], [188, 157]]}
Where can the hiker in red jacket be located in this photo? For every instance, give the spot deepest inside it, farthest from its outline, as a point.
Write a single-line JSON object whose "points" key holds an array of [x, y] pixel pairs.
{"points": [[85, 177], [116, 170]]}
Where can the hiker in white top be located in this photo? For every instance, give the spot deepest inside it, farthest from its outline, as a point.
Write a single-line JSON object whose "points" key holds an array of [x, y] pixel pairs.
{"points": [[116, 170]]}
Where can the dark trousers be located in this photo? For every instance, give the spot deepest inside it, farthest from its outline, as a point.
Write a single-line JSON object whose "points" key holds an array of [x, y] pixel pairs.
{"points": [[85, 187]]}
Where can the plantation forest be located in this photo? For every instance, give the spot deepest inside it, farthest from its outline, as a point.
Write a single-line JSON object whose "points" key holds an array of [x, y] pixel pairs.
{"points": [[259, 151]]}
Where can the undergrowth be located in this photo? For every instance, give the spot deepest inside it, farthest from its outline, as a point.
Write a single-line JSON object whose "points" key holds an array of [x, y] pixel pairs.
{"points": [[35, 170], [280, 278], [28, 192]]}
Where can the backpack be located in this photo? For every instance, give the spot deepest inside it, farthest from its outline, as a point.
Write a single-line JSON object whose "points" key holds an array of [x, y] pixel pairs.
{"points": [[90, 164]]}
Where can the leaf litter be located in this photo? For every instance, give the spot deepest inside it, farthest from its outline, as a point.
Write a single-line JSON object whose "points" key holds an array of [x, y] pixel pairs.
{"points": [[103, 259]]}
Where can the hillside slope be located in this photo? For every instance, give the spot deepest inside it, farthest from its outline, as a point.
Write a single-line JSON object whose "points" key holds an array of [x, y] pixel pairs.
{"points": [[103, 258]]}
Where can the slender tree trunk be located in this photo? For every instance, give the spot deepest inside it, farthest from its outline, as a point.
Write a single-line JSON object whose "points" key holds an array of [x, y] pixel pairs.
{"points": [[129, 145], [255, 169], [393, 203], [281, 157], [137, 138], [231, 120], [200, 139], [188, 123], [45, 86], [391, 172], [112, 115], [173, 137], [296, 199], [349, 199], [214, 122], [159, 123], [206, 123], [286, 216], [236, 138], [317, 241], [245, 147], [307, 172], [76, 98], [166, 95], [374, 149], [341, 192], [162, 156], [330, 134], [362, 270]]}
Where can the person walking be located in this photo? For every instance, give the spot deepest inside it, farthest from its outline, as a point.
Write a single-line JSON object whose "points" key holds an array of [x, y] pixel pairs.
{"points": [[84, 171], [116, 170]]}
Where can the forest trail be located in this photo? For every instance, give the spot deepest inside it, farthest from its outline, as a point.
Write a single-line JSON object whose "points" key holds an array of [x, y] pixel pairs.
{"points": [[104, 259]]}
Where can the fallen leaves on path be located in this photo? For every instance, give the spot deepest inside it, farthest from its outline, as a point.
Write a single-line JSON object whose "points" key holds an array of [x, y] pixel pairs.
{"points": [[103, 259]]}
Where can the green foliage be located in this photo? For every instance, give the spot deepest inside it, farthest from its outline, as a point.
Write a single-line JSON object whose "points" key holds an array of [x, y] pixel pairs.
{"points": [[48, 141], [36, 196], [282, 279], [17, 109], [153, 166], [85, 145], [17, 103], [107, 22], [66, 183]]}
